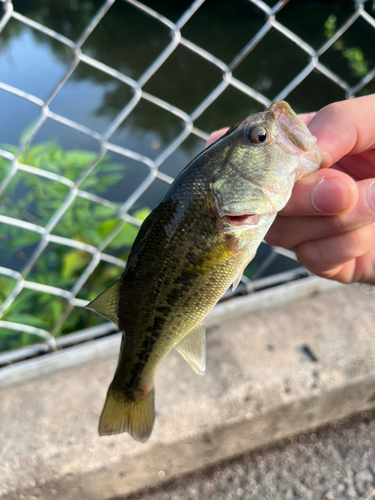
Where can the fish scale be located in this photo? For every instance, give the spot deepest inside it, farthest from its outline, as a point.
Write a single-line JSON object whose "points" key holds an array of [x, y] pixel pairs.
{"points": [[183, 295], [193, 245]]}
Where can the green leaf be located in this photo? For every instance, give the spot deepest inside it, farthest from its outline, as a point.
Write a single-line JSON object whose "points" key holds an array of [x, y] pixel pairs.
{"points": [[80, 158], [109, 180], [27, 319], [28, 238], [55, 311], [142, 213], [107, 226], [125, 237], [91, 236], [103, 212], [6, 287], [73, 261], [25, 134]]}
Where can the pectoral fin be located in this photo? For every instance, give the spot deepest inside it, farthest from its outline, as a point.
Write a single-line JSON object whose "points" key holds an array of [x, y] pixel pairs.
{"points": [[237, 279], [240, 274], [193, 349], [215, 257], [106, 304]]}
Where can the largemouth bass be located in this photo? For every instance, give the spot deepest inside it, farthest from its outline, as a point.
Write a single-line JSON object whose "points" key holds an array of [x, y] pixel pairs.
{"points": [[191, 248]]}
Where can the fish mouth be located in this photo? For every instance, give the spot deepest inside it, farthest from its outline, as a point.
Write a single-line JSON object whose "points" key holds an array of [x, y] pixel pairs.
{"points": [[292, 128], [295, 138], [242, 220]]}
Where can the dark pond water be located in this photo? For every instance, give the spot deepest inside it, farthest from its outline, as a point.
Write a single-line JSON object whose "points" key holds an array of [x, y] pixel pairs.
{"points": [[128, 41]]}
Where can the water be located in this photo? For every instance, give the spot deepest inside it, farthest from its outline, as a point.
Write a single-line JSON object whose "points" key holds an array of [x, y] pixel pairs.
{"points": [[128, 40]]}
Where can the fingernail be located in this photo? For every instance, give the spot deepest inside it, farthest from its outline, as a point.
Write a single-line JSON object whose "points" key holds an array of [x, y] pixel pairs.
{"points": [[371, 194], [330, 197]]}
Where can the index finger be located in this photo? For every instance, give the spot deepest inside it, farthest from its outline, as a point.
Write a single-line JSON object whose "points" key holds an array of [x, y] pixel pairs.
{"points": [[306, 117], [215, 136], [344, 128]]}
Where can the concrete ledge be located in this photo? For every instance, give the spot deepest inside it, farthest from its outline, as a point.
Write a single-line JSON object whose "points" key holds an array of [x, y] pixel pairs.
{"points": [[109, 346], [270, 374]]}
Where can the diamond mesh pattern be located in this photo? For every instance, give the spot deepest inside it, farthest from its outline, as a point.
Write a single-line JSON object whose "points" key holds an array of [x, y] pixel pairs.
{"points": [[99, 253]]}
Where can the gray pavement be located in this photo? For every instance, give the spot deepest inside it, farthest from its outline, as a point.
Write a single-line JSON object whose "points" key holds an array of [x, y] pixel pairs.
{"points": [[334, 463]]}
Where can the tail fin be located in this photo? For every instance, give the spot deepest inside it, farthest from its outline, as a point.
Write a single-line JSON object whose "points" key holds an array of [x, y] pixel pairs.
{"points": [[122, 414]]}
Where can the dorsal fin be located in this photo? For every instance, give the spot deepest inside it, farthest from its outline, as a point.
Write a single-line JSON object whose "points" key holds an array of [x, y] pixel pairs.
{"points": [[193, 349], [106, 304]]}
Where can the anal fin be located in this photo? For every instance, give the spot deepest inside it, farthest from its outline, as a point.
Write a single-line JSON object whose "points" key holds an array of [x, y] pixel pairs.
{"points": [[193, 349]]}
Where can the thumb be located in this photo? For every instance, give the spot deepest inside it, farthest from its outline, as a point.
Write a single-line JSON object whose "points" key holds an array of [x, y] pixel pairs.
{"points": [[325, 192]]}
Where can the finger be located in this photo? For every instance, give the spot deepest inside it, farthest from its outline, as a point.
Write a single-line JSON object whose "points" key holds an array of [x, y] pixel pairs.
{"points": [[215, 136], [323, 256], [327, 192], [359, 166], [345, 127], [361, 269], [291, 231], [306, 117]]}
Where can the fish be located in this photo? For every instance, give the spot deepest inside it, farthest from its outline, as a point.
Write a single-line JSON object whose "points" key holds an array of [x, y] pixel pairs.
{"points": [[191, 248]]}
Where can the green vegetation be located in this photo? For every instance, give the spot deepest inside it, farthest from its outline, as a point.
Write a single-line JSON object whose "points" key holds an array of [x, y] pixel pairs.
{"points": [[354, 55], [358, 64], [36, 199]]}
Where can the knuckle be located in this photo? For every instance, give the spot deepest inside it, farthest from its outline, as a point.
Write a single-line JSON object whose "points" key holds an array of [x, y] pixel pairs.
{"points": [[276, 235], [356, 241], [335, 109], [312, 256]]}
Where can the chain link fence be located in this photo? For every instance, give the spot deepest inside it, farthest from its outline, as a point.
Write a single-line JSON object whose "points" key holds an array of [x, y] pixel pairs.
{"points": [[97, 252]]}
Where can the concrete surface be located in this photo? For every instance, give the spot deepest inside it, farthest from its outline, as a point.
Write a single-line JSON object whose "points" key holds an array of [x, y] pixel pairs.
{"points": [[270, 374], [109, 346], [336, 462]]}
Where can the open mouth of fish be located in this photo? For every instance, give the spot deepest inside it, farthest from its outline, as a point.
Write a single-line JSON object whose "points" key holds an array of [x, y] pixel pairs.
{"points": [[242, 220]]}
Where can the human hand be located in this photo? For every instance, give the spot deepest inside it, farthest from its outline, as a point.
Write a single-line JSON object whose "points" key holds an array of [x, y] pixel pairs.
{"points": [[329, 219]]}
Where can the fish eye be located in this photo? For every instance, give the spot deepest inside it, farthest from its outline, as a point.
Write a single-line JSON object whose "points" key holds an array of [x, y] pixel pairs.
{"points": [[258, 135]]}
